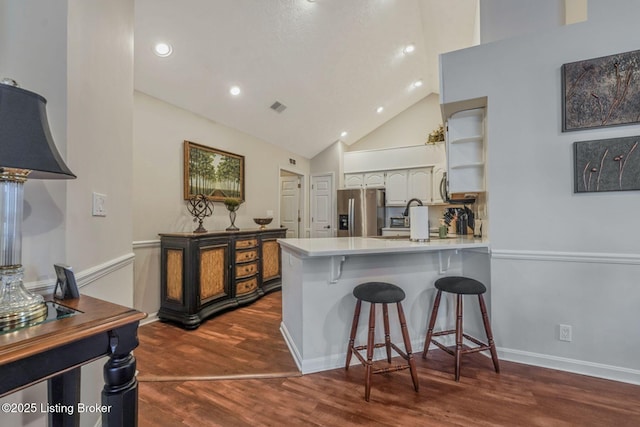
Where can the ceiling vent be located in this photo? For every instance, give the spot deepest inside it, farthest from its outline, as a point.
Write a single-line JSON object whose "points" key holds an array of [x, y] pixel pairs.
{"points": [[278, 107]]}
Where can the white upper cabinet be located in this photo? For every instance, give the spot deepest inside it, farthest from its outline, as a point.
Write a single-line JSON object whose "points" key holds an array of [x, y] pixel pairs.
{"points": [[353, 180], [396, 188], [465, 151], [419, 185], [364, 180], [404, 172], [404, 185], [374, 179]]}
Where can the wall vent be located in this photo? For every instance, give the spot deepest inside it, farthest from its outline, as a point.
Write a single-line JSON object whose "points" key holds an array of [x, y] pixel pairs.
{"points": [[278, 107]]}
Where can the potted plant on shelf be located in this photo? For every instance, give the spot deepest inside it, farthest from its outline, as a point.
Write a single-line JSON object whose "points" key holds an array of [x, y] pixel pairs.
{"points": [[232, 206]]}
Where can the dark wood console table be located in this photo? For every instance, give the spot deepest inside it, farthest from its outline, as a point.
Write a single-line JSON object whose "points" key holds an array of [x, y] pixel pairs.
{"points": [[56, 350], [207, 273]]}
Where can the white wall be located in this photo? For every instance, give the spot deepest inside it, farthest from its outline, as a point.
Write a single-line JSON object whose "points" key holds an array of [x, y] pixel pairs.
{"points": [[330, 160], [158, 205], [410, 127], [558, 257], [100, 132]]}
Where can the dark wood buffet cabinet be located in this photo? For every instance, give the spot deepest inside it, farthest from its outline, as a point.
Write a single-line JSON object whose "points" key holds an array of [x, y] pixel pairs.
{"points": [[206, 273]]}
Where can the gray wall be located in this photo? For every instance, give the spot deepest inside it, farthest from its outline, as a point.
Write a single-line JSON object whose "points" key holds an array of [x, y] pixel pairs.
{"points": [[79, 56], [557, 257]]}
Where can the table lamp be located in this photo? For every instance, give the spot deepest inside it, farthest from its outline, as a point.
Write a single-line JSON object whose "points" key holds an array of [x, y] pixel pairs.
{"points": [[26, 150]]}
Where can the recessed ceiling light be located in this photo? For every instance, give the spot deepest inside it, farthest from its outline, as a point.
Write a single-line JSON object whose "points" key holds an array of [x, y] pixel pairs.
{"points": [[410, 48], [379, 110], [162, 49], [417, 83], [343, 134], [235, 90]]}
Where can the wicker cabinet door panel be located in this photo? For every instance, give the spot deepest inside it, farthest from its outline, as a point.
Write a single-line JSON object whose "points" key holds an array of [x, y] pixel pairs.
{"points": [[174, 274], [270, 260], [213, 272]]}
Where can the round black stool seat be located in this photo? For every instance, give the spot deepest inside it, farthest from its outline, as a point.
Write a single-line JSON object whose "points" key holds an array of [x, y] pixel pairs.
{"points": [[460, 285], [378, 293]]}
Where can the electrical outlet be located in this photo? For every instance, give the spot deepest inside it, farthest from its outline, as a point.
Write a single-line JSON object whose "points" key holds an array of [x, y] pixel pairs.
{"points": [[564, 333]]}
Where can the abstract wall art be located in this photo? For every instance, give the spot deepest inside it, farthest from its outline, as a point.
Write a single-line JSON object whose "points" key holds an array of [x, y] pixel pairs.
{"points": [[607, 165], [601, 92]]}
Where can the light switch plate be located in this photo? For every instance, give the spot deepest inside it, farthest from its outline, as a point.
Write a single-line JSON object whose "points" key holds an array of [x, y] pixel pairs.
{"points": [[99, 204]]}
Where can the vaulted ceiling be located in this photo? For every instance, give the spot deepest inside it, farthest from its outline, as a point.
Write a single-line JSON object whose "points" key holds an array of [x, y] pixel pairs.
{"points": [[332, 63]]}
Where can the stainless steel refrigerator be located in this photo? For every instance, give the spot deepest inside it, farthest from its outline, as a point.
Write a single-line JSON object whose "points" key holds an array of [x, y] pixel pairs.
{"points": [[361, 212]]}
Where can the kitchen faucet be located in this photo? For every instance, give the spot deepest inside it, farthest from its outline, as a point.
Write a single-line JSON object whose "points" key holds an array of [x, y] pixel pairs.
{"points": [[406, 210]]}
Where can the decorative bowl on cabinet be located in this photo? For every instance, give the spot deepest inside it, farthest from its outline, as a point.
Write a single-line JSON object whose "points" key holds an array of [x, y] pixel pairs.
{"points": [[262, 222]]}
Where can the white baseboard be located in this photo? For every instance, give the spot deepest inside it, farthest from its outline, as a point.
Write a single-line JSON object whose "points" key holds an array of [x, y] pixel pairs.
{"points": [[151, 317], [292, 347], [599, 370]]}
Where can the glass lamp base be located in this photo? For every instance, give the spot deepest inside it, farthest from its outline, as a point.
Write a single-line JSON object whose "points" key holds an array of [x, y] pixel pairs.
{"points": [[17, 304]]}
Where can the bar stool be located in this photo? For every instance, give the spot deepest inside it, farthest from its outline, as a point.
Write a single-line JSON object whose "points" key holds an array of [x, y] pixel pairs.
{"points": [[461, 286], [380, 293]]}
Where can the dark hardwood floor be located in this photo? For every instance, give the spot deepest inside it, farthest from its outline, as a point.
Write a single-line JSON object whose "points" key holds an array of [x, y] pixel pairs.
{"points": [[235, 370]]}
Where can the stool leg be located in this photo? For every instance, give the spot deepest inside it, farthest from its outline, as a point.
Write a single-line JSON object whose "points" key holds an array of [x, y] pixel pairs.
{"points": [[487, 328], [407, 346], [370, 347], [387, 338], [352, 337], [432, 322], [458, 352]]}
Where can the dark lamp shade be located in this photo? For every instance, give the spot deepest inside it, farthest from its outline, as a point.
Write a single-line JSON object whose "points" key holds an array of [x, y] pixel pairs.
{"points": [[25, 138]]}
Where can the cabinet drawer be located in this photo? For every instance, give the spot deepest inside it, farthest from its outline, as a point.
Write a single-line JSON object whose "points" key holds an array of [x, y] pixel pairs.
{"points": [[245, 270], [246, 286], [246, 243], [245, 256]]}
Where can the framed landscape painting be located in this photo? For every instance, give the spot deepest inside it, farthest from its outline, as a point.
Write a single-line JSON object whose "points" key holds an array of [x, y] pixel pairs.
{"points": [[601, 92], [216, 174]]}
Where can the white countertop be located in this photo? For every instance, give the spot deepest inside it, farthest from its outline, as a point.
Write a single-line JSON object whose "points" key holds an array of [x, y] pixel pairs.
{"points": [[332, 246]]}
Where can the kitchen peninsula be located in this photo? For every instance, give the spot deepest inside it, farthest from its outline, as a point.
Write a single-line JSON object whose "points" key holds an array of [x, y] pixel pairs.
{"points": [[318, 277]]}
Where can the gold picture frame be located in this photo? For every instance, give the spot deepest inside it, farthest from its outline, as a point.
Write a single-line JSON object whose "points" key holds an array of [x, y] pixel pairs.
{"points": [[216, 174]]}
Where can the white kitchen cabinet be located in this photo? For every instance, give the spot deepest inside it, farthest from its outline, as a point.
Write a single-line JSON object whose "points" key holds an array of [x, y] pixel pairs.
{"points": [[374, 179], [364, 180], [353, 180], [404, 185], [419, 184], [437, 175], [396, 188], [465, 151]]}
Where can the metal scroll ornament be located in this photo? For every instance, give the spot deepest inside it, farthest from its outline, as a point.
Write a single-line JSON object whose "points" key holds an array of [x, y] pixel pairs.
{"points": [[200, 207]]}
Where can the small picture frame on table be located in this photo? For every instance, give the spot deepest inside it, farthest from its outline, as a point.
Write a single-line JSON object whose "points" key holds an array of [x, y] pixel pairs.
{"points": [[66, 286]]}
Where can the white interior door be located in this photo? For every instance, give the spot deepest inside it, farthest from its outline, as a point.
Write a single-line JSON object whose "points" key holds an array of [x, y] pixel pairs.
{"points": [[322, 206], [290, 204]]}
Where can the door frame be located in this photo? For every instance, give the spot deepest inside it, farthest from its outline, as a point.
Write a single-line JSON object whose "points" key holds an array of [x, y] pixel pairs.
{"points": [[303, 228]]}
